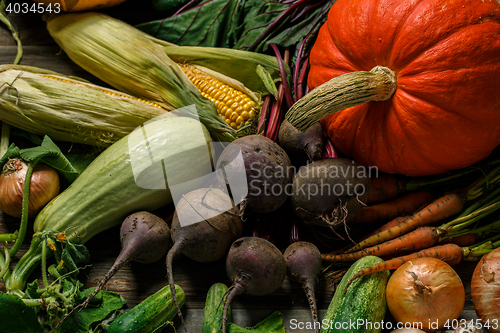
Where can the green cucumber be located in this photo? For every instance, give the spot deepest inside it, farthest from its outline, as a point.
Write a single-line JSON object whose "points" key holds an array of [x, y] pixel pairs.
{"points": [[212, 315], [151, 315], [363, 307], [107, 191]]}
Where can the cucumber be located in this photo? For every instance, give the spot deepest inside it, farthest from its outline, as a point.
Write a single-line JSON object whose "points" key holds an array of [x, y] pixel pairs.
{"points": [[212, 315], [363, 308], [107, 191], [151, 315]]}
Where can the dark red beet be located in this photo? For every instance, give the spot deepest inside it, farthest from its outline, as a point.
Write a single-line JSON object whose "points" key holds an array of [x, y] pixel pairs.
{"points": [[303, 260], [145, 238], [205, 241], [302, 146], [330, 192], [268, 171], [255, 267]]}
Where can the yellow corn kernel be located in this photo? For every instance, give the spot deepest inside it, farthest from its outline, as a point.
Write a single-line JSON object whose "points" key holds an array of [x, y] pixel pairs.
{"points": [[235, 107]]}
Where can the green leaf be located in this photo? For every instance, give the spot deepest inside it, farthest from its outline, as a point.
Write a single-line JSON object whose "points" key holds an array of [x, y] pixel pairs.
{"points": [[49, 153], [15, 316], [257, 20], [266, 77], [211, 23], [83, 321], [274, 323]]}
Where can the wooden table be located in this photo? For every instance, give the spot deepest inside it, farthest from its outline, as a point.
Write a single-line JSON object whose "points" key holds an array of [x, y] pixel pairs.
{"points": [[137, 281]]}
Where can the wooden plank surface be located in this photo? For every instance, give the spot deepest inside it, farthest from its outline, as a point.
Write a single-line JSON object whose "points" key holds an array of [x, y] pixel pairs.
{"points": [[137, 281]]}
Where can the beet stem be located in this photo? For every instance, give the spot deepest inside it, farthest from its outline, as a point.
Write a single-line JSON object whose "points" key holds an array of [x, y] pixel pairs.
{"points": [[176, 248], [237, 288]]}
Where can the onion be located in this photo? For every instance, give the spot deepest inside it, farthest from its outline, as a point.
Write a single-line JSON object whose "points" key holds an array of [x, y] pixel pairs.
{"points": [[485, 290], [44, 186], [426, 291]]}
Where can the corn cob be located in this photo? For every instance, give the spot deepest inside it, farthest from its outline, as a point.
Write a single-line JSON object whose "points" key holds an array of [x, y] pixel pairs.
{"points": [[69, 109], [235, 108], [133, 62]]}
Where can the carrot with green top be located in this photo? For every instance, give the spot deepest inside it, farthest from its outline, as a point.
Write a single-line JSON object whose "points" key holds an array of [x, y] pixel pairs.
{"points": [[450, 253], [441, 208], [418, 239]]}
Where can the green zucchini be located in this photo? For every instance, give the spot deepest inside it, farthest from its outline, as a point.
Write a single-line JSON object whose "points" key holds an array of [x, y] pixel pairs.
{"points": [[363, 307], [107, 190], [151, 315]]}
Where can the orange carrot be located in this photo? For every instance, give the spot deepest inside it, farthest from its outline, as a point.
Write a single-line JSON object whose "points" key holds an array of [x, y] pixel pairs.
{"points": [[446, 206], [450, 253], [416, 240], [398, 207], [384, 187], [462, 240]]}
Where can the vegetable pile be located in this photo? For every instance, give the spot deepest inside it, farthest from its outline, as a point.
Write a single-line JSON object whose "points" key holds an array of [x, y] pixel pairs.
{"points": [[350, 141]]}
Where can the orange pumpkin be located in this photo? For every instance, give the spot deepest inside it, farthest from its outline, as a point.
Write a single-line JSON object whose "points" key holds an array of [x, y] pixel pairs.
{"points": [[444, 113]]}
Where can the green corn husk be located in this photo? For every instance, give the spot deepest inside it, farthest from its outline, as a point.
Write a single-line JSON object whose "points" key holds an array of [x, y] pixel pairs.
{"points": [[123, 57], [68, 108], [136, 63]]}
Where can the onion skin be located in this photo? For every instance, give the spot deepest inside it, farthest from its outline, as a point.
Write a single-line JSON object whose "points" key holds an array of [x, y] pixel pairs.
{"points": [[485, 290], [44, 187], [441, 298]]}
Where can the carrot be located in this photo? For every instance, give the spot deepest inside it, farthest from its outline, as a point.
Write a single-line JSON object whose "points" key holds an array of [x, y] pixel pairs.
{"points": [[450, 253], [441, 208], [398, 207], [385, 187], [462, 240], [416, 240]]}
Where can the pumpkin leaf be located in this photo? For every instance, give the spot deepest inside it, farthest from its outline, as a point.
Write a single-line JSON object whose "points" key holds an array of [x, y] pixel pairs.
{"points": [[21, 317], [86, 319], [49, 153]]}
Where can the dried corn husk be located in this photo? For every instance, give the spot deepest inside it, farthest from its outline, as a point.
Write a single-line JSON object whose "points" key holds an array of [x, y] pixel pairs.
{"points": [[69, 109], [125, 58]]}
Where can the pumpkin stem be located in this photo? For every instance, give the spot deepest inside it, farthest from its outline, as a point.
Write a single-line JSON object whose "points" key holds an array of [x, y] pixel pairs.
{"points": [[340, 93]]}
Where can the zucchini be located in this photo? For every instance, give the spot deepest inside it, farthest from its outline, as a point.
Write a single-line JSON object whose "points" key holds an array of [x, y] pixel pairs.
{"points": [[151, 315], [363, 307], [107, 190]]}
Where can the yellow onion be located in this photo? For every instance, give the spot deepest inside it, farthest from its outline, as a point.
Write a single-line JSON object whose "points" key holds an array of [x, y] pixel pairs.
{"points": [[485, 290], [44, 187], [427, 291]]}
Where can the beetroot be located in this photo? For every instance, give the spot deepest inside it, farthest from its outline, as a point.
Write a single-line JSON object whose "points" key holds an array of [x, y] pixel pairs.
{"points": [[302, 146], [255, 267], [330, 192], [145, 238], [207, 240], [303, 260], [268, 171]]}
